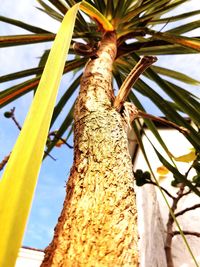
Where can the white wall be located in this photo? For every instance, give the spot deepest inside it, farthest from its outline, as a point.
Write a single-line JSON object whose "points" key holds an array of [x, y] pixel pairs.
{"points": [[29, 258], [153, 211]]}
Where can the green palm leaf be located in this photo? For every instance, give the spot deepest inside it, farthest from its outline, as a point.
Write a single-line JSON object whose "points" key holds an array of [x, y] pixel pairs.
{"points": [[175, 18], [63, 100], [50, 11], [18, 90], [175, 74], [25, 39], [70, 65], [67, 122], [59, 5], [185, 28], [193, 43], [14, 92], [23, 25]]}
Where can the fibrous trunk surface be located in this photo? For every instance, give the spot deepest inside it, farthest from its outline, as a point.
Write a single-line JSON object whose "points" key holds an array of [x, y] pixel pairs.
{"points": [[97, 226]]}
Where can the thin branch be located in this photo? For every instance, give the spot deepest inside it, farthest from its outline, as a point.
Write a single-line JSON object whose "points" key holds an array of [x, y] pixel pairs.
{"points": [[133, 113], [60, 138], [186, 233], [163, 189], [187, 193], [11, 114], [124, 90], [14, 119], [181, 129], [46, 153], [187, 209], [190, 168], [67, 144], [4, 162]]}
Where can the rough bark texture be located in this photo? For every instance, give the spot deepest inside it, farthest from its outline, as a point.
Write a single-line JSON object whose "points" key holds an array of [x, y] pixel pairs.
{"points": [[98, 223]]}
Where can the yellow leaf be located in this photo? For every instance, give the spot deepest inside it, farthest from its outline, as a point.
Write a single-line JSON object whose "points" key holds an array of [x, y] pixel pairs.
{"points": [[191, 156], [20, 177], [162, 171], [96, 15]]}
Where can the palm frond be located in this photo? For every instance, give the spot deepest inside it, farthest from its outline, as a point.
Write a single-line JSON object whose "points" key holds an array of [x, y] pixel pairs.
{"points": [[23, 25], [133, 22], [185, 28], [14, 92], [193, 43], [59, 5], [63, 100], [25, 39], [50, 11], [175, 74], [62, 129], [176, 18], [69, 66]]}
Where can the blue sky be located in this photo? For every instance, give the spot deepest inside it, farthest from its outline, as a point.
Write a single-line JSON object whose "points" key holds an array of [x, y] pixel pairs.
{"points": [[50, 190]]}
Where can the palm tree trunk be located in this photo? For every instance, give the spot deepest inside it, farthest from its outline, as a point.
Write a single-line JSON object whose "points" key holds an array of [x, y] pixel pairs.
{"points": [[97, 226]]}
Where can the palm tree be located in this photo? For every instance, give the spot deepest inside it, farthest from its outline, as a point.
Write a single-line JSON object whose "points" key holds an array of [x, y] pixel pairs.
{"points": [[98, 223]]}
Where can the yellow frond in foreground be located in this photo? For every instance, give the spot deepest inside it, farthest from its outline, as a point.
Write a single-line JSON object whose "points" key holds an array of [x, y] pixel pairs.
{"points": [[20, 177]]}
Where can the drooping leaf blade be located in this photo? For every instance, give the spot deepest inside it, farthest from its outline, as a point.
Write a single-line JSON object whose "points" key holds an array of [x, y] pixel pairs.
{"points": [[70, 65], [166, 50], [50, 11], [16, 91], [177, 96], [185, 28], [175, 74], [168, 110], [177, 17], [184, 104], [150, 124], [20, 74], [23, 166], [62, 102], [25, 39], [133, 13], [156, 47], [63, 128], [53, 15], [59, 5], [193, 43], [156, 13], [23, 25]]}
